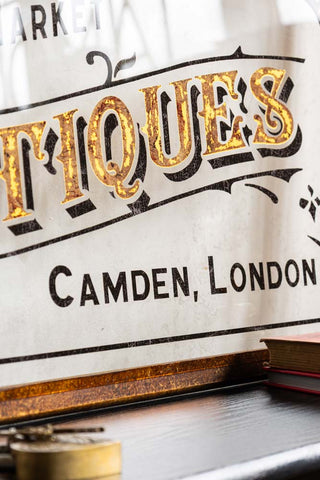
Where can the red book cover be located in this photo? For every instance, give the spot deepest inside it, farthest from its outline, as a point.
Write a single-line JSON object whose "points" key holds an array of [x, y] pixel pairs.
{"points": [[293, 380]]}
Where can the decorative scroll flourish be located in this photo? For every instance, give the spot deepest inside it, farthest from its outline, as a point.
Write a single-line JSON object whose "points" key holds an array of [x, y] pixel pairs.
{"points": [[238, 54], [90, 60], [273, 197], [121, 65], [124, 64], [312, 202], [140, 206]]}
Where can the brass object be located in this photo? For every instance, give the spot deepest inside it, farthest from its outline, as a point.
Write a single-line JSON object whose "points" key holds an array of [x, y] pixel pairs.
{"points": [[61, 454]]}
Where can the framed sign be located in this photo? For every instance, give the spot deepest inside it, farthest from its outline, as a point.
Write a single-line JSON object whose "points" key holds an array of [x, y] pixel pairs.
{"points": [[159, 195]]}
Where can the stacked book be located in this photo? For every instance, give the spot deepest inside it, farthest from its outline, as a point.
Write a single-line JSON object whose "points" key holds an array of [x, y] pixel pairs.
{"points": [[294, 362]]}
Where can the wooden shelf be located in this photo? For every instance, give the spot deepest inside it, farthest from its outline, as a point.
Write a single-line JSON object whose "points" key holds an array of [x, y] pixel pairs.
{"points": [[222, 432]]}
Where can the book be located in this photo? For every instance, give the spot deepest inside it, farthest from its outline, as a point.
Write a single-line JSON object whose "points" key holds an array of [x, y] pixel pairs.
{"points": [[293, 380], [296, 352]]}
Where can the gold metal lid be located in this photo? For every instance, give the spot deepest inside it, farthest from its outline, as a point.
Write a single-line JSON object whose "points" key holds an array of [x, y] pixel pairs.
{"points": [[43, 453]]}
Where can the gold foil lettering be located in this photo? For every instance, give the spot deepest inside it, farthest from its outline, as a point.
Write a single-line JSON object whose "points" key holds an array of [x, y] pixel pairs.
{"points": [[276, 112], [10, 172], [113, 175], [68, 156], [153, 130], [211, 111]]}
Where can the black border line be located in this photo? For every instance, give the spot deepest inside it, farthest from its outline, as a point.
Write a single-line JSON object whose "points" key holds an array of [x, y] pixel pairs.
{"points": [[226, 184], [154, 341], [237, 55]]}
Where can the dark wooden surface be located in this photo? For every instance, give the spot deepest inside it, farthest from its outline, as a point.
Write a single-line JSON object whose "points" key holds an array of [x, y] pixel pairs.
{"points": [[182, 438]]}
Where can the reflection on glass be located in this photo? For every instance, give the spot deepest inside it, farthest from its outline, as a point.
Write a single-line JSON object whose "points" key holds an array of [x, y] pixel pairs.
{"points": [[161, 35]]}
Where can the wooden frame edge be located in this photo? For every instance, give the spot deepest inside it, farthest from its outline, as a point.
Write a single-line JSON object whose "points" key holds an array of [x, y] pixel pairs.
{"points": [[115, 388]]}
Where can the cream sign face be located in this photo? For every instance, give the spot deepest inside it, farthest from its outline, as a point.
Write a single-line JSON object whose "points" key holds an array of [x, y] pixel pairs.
{"points": [[167, 213]]}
